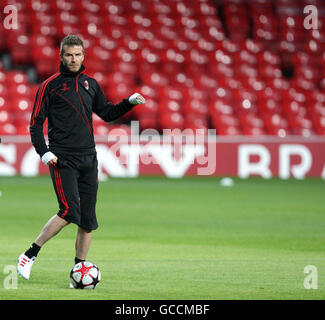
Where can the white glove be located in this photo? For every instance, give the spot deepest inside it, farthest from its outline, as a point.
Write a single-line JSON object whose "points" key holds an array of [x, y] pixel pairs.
{"points": [[137, 98], [47, 157]]}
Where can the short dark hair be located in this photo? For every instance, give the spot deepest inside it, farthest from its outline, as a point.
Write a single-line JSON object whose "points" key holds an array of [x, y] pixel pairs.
{"points": [[71, 40]]}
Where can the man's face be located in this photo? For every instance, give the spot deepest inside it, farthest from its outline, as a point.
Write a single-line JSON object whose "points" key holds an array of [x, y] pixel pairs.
{"points": [[72, 57]]}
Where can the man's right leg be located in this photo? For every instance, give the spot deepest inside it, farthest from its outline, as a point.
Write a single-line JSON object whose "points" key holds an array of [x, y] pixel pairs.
{"points": [[51, 228], [26, 260], [64, 179]]}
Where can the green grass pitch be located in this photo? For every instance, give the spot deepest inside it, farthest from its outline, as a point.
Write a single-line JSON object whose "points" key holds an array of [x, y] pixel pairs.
{"points": [[174, 239]]}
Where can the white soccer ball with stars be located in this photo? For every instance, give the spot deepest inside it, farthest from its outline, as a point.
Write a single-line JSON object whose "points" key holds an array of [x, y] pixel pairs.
{"points": [[85, 275]]}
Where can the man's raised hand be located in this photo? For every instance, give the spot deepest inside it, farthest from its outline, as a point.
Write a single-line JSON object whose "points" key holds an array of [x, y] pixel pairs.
{"points": [[137, 98]]}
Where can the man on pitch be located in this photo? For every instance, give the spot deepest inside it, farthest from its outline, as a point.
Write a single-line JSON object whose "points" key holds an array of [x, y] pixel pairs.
{"points": [[68, 99]]}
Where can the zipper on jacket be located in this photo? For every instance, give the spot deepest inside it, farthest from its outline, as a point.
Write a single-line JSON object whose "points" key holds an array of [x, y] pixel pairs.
{"points": [[77, 87]]}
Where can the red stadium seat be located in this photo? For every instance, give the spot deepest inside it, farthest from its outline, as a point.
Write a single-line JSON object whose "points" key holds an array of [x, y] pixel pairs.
{"points": [[293, 108], [16, 77], [195, 93], [148, 91], [20, 91], [315, 96], [5, 103], [319, 124], [307, 72], [5, 116], [148, 121], [219, 107], [269, 106], [229, 131], [251, 120], [225, 120], [46, 68], [171, 120], [171, 93], [197, 107], [316, 109], [169, 106], [274, 123], [301, 83], [253, 131], [197, 126], [22, 129], [21, 104], [7, 128]]}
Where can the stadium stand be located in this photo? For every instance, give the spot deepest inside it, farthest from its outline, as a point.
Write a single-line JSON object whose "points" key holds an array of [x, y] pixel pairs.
{"points": [[238, 66]]}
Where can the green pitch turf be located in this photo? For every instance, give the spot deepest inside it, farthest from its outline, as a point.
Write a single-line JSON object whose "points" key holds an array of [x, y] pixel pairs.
{"points": [[173, 239]]}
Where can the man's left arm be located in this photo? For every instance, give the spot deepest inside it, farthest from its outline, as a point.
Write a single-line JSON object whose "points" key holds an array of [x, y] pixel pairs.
{"points": [[108, 111]]}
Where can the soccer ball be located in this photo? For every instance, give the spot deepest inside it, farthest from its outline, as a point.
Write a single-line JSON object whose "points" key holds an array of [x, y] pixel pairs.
{"points": [[85, 275]]}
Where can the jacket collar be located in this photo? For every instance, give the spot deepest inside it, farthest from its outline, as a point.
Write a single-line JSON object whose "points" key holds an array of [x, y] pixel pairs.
{"points": [[66, 72]]}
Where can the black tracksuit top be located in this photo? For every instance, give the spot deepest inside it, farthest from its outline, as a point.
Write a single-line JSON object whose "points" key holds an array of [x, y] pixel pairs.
{"points": [[68, 100]]}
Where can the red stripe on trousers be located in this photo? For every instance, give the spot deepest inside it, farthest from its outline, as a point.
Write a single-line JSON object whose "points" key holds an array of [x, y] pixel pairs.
{"points": [[58, 183]]}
